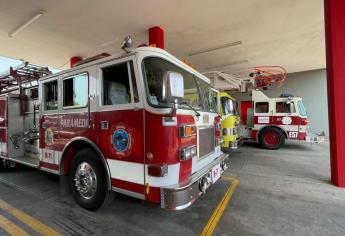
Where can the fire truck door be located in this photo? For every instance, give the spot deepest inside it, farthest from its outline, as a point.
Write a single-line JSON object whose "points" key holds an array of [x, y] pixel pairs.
{"points": [[121, 125], [49, 122]]}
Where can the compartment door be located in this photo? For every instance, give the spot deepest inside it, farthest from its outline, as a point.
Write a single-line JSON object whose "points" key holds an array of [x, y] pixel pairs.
{"points": [[3, 126]]}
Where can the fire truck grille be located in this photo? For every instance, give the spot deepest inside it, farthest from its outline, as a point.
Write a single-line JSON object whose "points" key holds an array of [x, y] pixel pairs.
{"points": [[206, 141]]}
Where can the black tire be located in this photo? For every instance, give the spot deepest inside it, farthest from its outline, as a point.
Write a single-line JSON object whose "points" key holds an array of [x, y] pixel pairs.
{"points": [[2, 165], [96, 199], [271, 138]]}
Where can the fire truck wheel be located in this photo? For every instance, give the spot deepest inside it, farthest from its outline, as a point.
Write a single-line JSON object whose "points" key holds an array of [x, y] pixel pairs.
{"points": [[271, 138], [88, 179], [2, 165]]}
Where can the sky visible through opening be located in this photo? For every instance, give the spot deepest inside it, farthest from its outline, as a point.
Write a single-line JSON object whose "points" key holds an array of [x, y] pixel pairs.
{"points": [[6, 63]]}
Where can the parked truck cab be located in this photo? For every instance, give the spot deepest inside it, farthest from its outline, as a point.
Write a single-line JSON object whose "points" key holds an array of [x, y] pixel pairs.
{"points": [[141, 124], [271, 121]]}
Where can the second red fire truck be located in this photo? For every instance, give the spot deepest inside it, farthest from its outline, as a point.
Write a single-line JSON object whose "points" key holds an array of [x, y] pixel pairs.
{"points": [[120, 123], [271, 121]]}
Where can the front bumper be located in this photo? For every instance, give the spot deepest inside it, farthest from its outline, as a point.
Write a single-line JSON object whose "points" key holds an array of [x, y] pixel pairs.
{"points": [[178, 197], [315, 138]]}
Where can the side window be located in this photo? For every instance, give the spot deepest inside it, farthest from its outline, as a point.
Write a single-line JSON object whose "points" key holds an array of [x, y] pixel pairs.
{"points": [[50, 93], [261, 107], [75, 91], [134, 83], [33, 93], [116, 86], [284, 107]]}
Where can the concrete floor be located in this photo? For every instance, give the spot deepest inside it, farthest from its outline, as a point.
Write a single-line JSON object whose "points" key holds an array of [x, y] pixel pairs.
{"points": [[284, 192]]}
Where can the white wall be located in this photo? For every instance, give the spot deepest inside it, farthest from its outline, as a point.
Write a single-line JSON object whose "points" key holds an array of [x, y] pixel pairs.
{"points": [[312, 86]]}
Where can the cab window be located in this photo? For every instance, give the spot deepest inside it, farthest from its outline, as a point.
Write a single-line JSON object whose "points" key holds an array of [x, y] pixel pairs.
{"points": [[154, 69], [284, 107], [50, 93], [75, 91], [228, 106], [116, 85], [261, 107]]}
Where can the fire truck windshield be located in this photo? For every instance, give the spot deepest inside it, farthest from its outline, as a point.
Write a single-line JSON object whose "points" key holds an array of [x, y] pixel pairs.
{"points": [[197, 93], [301, 108], [228, 106]]}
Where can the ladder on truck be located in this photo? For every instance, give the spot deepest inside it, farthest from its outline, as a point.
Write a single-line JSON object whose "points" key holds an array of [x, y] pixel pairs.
{"points": [[23, 76], [20, 129], [260, 77]]}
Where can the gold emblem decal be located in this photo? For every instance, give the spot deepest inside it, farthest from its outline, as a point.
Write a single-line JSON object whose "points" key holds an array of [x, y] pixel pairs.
{"points": [[49, 137]]}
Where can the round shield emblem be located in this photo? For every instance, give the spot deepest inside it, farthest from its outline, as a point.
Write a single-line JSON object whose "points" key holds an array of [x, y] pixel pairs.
{"points": [[121, 140]]}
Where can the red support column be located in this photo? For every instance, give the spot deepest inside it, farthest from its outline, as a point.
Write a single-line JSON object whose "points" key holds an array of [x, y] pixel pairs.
{"points": [[335, 55], [74, 60], [156, 36]]}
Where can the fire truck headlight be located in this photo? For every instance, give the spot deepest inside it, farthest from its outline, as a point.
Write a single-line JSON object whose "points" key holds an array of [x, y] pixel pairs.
{"points": [[193, 151], [187, 153]]}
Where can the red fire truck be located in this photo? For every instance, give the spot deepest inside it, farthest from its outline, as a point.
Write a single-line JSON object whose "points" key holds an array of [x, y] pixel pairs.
{"points": [[272, 120], [142, 124]]}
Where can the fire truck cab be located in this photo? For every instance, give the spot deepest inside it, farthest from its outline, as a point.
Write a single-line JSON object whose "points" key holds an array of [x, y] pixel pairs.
{"points": [[120, 123], [271, 121]]}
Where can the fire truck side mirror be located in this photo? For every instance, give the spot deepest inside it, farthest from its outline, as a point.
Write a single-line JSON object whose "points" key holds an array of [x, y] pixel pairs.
{"points": [[173, 87]]}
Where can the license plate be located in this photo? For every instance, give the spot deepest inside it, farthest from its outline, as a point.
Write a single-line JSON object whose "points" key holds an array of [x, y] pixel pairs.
{"points": [[215, 173]]}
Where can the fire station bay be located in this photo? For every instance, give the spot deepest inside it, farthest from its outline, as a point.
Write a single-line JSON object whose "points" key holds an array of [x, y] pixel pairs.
{"points": [[172, 117]]}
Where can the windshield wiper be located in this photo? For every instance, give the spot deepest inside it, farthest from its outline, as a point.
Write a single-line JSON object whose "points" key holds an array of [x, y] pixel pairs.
{"points": [[186, 104]]}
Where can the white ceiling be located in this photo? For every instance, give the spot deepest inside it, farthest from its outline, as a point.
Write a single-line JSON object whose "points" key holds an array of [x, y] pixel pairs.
{"points": [[273, 32]]}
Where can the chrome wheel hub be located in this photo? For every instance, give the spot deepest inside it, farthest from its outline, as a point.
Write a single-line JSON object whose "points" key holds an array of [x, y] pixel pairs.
{"points": [[85, 180]]}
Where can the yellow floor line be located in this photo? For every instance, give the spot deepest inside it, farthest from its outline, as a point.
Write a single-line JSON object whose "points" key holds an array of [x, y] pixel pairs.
{"points": [[28, 220], [218, 212], [11, 228]]}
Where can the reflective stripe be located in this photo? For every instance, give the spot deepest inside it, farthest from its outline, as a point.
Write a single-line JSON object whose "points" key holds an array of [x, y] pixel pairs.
{"points": [[134, 172], [286, 128]]}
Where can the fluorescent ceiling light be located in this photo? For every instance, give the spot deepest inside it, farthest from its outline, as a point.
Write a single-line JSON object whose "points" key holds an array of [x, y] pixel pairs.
{"points": [[227, 64], [26, 24], [215, 48]]}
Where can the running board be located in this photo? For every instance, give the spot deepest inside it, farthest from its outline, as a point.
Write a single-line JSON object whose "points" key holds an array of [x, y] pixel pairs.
{"points": [[29, 161]]}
